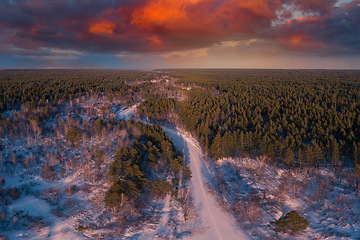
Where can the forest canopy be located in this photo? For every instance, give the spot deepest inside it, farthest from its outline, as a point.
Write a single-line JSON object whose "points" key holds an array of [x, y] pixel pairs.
{"points": [[294, 116]]}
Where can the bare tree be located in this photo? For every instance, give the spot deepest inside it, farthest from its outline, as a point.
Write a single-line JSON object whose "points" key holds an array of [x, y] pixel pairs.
{"points": [[249, 209], [186, 203], [54, 160], [351, 179], [26, 162], [322, 191], [31, 157], [87, 171], [98, 200], [36, 129], [14, 158], [70, 189]]}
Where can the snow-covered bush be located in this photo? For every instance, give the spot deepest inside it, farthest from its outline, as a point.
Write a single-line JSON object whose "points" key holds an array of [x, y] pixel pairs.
{"points": [[52, 195]]}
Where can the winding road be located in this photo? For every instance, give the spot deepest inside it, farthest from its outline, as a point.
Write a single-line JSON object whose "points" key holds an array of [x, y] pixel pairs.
{"points": [[212, 222]]}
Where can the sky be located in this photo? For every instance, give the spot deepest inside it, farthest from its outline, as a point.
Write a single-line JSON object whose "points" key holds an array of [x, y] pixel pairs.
{"points": [[153, 34]]}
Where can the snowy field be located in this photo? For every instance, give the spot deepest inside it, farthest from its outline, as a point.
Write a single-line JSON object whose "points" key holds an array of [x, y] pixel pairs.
{"points": [[328, 200]]}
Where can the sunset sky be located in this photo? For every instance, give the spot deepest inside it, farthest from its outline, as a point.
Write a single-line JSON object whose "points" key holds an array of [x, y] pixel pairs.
{"points": [[147, 34]]}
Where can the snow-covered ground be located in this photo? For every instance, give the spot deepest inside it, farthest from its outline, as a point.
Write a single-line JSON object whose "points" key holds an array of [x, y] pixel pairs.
{"points": [[35, 208], [328, 200]]}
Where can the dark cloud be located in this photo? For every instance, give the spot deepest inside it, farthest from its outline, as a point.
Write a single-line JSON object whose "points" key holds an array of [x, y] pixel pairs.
{"points": [[334, 32], [113, 26], [314, 6]]}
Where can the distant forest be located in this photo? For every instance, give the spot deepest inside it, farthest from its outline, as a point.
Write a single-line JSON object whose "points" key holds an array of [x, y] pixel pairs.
{"points": [[32, 86], [294, 117]]}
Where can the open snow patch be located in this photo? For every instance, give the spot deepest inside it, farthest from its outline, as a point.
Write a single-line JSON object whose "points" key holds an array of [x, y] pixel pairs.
{"points": [[31, 205]]}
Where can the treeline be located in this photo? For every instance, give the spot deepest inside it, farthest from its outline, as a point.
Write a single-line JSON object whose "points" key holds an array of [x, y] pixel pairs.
{"points": [[297, 117], [151, 165], [34, 86]]}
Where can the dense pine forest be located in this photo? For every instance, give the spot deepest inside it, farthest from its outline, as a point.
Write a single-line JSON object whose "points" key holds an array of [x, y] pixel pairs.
{"points": [[294, 117], [145, 166]]}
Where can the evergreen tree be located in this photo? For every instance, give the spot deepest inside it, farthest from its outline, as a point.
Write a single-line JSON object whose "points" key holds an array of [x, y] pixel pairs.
{"points": [[289, 157], [354, 153], [291, 221]]}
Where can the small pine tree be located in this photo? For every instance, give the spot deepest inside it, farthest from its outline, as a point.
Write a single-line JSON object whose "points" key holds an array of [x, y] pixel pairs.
{"points": [[73, 136], [187, 173], [160, 188], [99, 124], [293, 222], [46, 111], [8, 121], [30, 105]]}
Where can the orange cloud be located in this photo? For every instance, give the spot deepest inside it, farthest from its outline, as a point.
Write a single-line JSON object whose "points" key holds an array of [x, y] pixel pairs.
{"points": [[167, 15], [209, 17], [103, 27], [158, 13], [155, 40], [298, 41], [262, 8], [305, 20], [295, 39]]}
